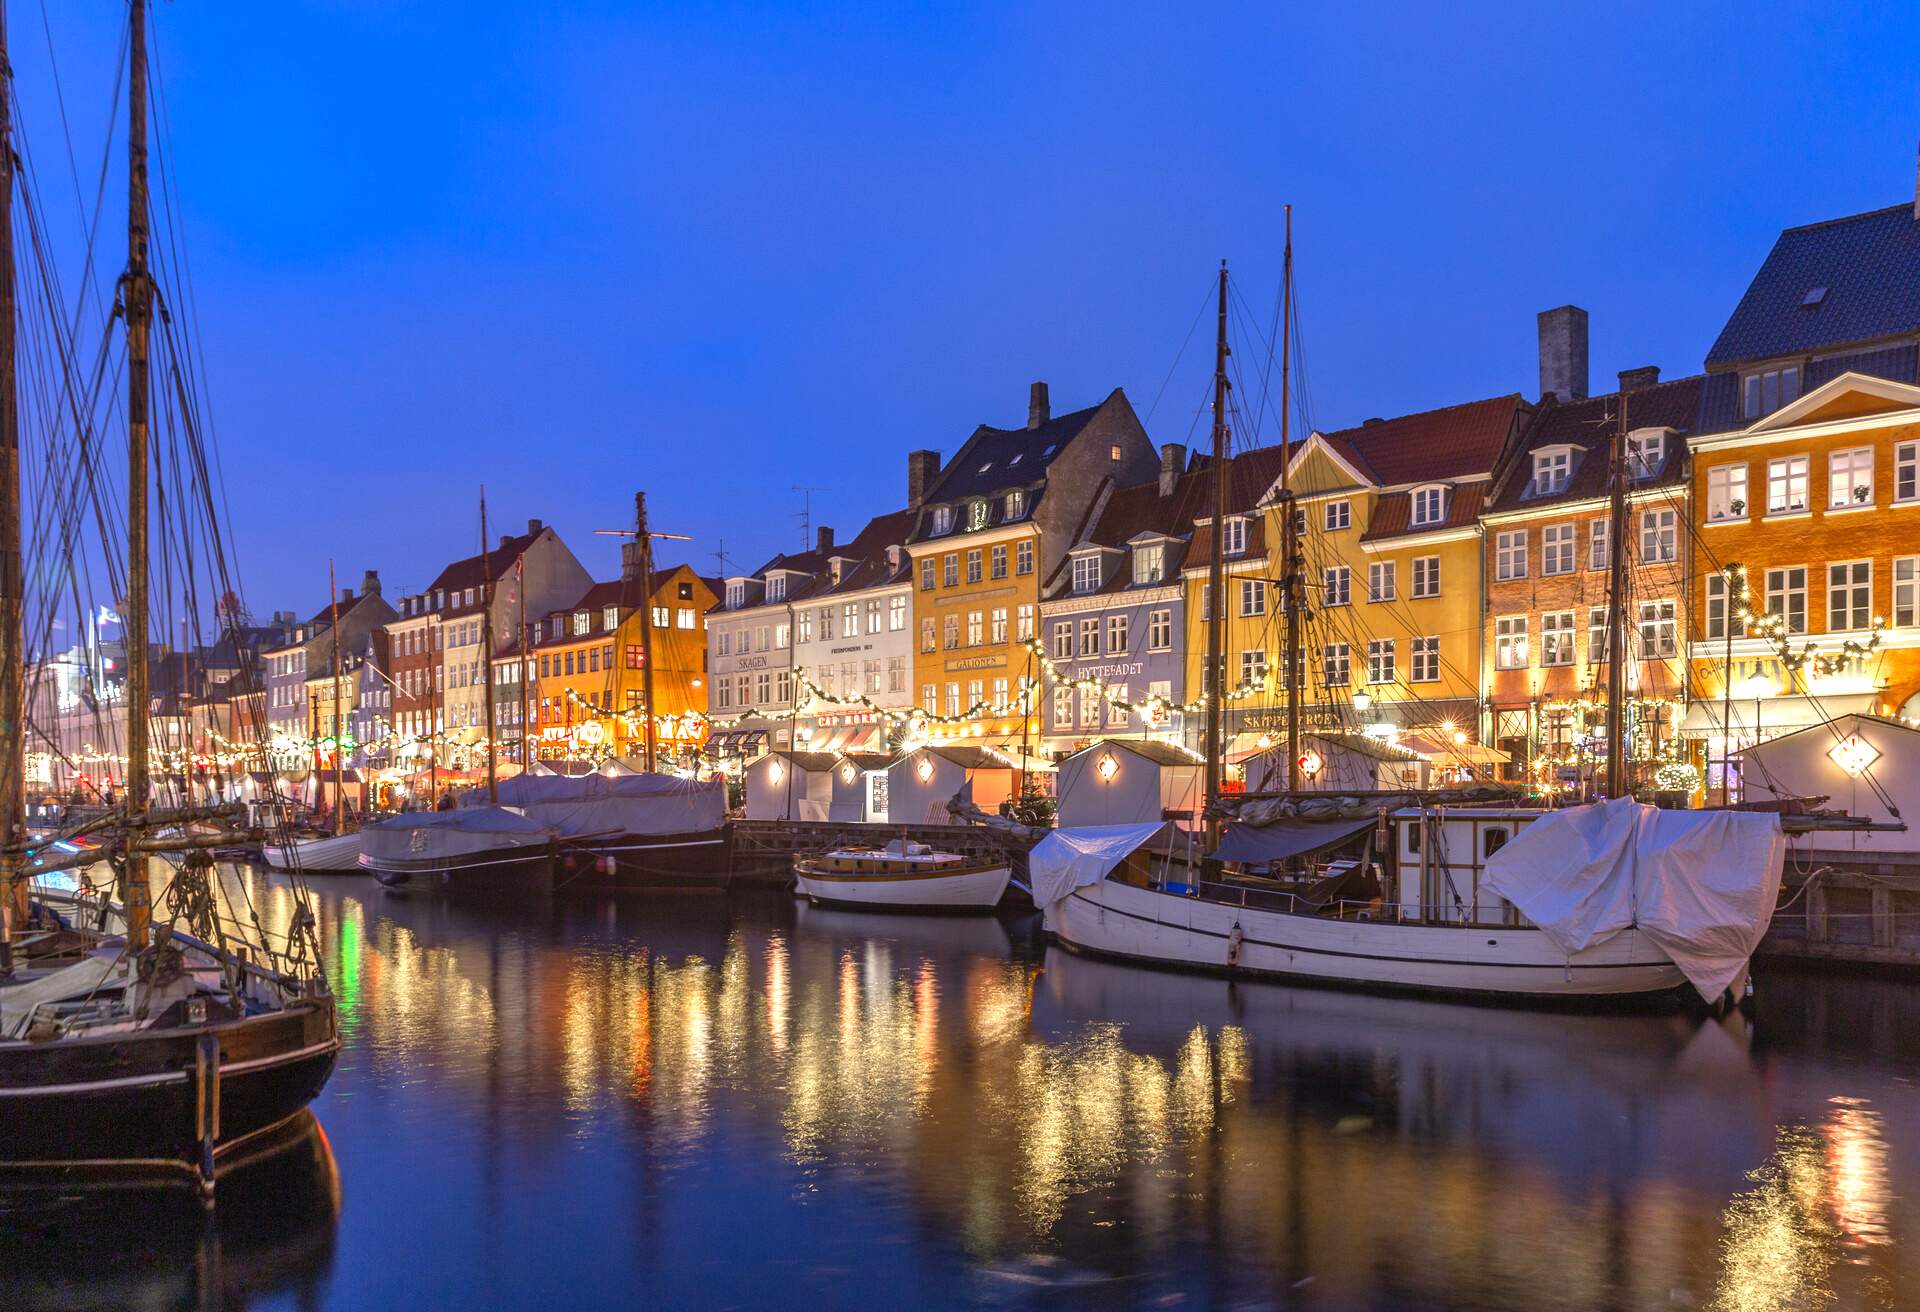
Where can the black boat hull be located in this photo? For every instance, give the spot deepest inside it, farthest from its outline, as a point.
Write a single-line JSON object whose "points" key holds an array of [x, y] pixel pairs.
{"points": [[690, 862], [140, 1099]]}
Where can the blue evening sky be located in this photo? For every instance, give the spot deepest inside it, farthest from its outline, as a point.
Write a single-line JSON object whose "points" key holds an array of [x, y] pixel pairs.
{"points": [[571, 249]]}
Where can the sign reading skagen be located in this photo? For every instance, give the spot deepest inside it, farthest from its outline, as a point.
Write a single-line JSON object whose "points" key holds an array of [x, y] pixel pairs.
{"points": [[751, 663], [977, 663]]}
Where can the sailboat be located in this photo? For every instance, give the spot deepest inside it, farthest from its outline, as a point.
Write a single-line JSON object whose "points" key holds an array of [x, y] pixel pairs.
{"points": [[1460, 892], [133, 1033], [337, 853]]}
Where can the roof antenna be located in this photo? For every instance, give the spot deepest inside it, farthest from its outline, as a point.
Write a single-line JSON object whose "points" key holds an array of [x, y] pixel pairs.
{"points": [[806, 514]]}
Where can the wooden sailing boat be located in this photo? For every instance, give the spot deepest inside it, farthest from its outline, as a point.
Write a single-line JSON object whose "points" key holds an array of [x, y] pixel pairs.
{"points": [[126, 1042]]}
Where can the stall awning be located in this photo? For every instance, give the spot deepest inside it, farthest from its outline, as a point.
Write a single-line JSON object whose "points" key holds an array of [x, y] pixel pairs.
{"points": [[1467, 753], [867, 738], [1773, 716], [1259, 844]]}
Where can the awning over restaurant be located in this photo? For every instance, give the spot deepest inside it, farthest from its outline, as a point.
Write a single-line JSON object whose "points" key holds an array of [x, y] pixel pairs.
{"points": [[865, 738], [1258, 844], [1773, 715]]}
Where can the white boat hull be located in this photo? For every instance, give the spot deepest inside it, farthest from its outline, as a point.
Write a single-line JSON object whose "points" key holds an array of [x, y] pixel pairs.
{"points": [[967, 890], [336, 855], [1143, 924]]}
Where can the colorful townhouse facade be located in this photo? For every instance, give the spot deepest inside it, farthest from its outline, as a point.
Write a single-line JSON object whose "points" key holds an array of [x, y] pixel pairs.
{"points": [[292, 716], [853, 641]]}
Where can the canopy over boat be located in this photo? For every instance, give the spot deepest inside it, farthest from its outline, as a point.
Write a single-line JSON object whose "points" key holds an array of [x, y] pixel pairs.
{"points": [[1067, 859], [1701, 884], [623, 804], [1256, 844], [439, 834]]}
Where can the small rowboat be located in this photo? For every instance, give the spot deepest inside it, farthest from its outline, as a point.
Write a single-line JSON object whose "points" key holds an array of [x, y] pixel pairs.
{"points": [[902, 875]]}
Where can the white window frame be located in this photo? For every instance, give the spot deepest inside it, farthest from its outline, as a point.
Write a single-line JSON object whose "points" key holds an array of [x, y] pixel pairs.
{"points": [[1906, 473], [1426, 582], [1719, 615], [1646, 450], [1233, 537], [1117, 635], [1726, 485], [1849, 596], [1599, 545], [1089, 636], [1510, 642], [1551, 472], [1253, 598], [1766, 390], [1659, 536], [1788, 486], [1557, 549], [1556, 638], [1160, 630], [1850, 473], [1336, 665], [1381, 581], [1339, 515], [1906, 591], [1150, 563], [1510, 554], [1427, 506], [1782, 592], [1382, 660], [1337, 586], [1086, 573], [1425, 667], [1659, 630]]}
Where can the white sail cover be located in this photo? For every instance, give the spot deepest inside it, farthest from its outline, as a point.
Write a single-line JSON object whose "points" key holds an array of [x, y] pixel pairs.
{"points": [[1701, 884], [444, 835], [591, 804], [1067, 859]]}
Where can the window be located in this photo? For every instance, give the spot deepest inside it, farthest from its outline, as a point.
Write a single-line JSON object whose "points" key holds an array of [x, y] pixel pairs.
{"points": [[942, 520], [1116, 635], [763, 637], [1023, 624], [1510, 642], [569, 669], [1599, 545], [1159, 630], [1339, 515], [926, 574], [1850, 478], [1906, 591], [1233, 537], [781, 635], [950, 570], [850, 620], [976, 628], [896, 613], [1337, 588], [722, 691], [1149, 564], [1090, 636], [1510, 555], [998, 567], [1253, 597], [1658, 639], [928, 638], [1659, 536], [1336, 665], [1599, 650], [776, 587], [1063, 640], [685, 618], [1116, 718], [953, 699], [1767, 391], [1717, 617], [1429, 505], [1556, 638], [1380, 660], [1426, 660], [1556, 549], [1550, 472], [896, 674], [1787, 596], [723, 645], [1426, 576], [1726, 492], [976, 514], [826, 624], [636, 656], [582, 623], [1023, 558], [1113, 453], [1016, 502], [1253, 668], [973, 565], [1380, 582], [929, 697], [1786, 485], [1644, 452], [1906, 471], [950, 632], [999, 626], [1063, 706], [1850, 595], [1206, 602], [870, 675]]}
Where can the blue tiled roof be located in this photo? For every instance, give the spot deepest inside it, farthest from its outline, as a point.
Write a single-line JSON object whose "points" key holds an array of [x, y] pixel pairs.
{"points": [[1869, 266]]}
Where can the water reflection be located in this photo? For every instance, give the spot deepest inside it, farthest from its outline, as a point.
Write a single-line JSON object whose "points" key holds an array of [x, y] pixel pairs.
{"points": [[608, 1103]]}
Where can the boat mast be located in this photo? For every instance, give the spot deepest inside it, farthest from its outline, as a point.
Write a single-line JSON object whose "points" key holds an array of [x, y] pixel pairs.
{"points": [[137, 303], [1211, 682], [486, 648], [644, 544], [1289, 528], [524, 646], [1617, 612], [13, 656], [333, 626]]}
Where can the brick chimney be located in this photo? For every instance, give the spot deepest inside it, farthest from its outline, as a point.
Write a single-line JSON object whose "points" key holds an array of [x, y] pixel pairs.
{"points": [[1563, 353], [1037, 413], [1632, 380], [1173, 460], [533, 527], [370, 583], [823, 539], [923, 467]]}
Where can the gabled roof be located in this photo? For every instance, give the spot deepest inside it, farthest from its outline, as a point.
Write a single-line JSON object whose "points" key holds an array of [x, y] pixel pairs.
{"points": [[1588, 426], [1151, 749], [1867, 269], [996, 459], [967, 758], [1433, 446], [1129, 512], [1393, 513], [476, 570]]}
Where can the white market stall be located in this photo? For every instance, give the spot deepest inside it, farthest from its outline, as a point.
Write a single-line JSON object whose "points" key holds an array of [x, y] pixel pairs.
{"points": [[860, 788], [783, 785], [1339, 762], [921, 783], [1859, 763], [1119, 781]]}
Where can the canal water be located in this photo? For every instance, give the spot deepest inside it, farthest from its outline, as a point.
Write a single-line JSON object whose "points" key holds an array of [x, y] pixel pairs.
{"points": [[751, 1103]]}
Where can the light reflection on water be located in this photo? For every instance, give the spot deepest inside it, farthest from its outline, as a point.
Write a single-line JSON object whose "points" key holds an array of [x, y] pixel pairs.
{"points": [[697, 1104]]}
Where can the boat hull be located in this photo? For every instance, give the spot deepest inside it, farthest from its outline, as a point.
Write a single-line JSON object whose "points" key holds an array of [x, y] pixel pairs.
{"points": [[501, 871], [967, 890], [338, 854], [1129, 922], [666, 863], [134, 1100]]}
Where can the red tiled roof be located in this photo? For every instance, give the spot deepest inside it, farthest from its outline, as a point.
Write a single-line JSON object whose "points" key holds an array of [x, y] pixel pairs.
{"points": [[469, 573], [1456, 441], [1393, 512], [1589, 427]]}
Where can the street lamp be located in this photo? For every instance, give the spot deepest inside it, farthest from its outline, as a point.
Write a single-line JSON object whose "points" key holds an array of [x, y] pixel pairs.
{"points": [[1362, 699]]}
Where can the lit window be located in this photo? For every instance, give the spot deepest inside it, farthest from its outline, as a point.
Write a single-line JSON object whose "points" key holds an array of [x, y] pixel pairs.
{"points": [[1786, 485], [1016, 503], [1644, 452], [1726, 492], [1556, 549], [1767, 391], [1850, 596], [776, 587], [1510, 555], [942, 520], [1717, 618], [1149, 564], [896, 614], [1510, 642], [976, 514], [1556, 638], [1850, 478]]}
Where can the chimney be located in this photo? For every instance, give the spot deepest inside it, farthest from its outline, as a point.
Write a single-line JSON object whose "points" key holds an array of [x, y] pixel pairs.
{"points": [[1563, 353], [923, 467], [1173, 460], [505, 539], [346, 598], [1037, 405], [1632, 380], [370, 583], [823, 539], [533, 527]]}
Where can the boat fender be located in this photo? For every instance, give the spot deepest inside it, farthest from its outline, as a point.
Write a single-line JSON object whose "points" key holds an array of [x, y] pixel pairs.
{"points": [[1234, 938], [606, 865], [568, 862]]}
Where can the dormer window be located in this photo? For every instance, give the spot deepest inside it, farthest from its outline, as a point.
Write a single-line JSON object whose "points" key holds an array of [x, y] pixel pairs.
{"points": [[942, 520], [976, 514], [1016, 504], [1150, 563], [582, 622], [893, 558], [1429, 506], [1644, 452], [776, 587], [1233, 536], [1767, 390], [1551, 469], [610, 618], [736, 595], [836, 569], [1113, 453], [1086, 573]]}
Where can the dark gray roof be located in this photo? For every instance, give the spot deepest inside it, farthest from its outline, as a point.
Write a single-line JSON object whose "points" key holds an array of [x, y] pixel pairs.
{"points": [[995, 459], [1869, 266]]}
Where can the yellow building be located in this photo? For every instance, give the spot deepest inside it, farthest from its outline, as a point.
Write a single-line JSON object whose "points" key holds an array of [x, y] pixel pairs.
{"points": [[590, 661], [989, 529]]}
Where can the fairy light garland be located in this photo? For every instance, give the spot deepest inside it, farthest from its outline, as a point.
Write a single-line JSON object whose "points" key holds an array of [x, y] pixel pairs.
{"points": [[1772, 628]]}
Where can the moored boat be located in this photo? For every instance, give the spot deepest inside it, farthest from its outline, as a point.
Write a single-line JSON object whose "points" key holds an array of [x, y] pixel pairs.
{"points": [[638, 831], [481, 849], [904, 876], [328, 854]]}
